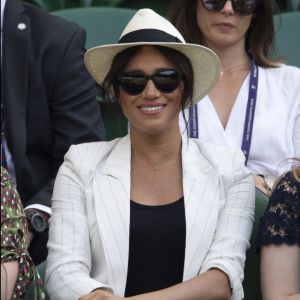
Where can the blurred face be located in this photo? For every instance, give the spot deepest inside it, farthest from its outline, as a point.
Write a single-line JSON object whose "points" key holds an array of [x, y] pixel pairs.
{"points": [[223, 28], [151, 105]]}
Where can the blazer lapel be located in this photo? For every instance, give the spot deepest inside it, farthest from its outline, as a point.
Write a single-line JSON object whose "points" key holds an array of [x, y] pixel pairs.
{"points": [[201, 194], [112, 202], [15, 73]]}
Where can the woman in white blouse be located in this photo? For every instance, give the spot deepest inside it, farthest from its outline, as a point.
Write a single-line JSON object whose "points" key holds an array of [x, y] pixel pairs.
{"points": [[256, 104]]}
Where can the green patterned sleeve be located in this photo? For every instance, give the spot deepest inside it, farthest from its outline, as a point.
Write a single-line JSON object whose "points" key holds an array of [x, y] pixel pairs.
{"points": [[14, 238]]}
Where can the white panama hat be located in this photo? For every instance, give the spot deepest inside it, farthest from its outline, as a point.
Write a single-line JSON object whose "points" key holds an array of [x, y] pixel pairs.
{"points": [[149, 28]]}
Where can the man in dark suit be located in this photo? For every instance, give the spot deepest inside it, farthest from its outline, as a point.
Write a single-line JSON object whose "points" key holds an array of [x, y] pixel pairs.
{"points": [[49, 103]]}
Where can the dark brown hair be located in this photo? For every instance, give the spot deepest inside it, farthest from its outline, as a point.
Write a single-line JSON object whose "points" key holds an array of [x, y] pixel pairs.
{"points": [[259, 37], [110, 86]]}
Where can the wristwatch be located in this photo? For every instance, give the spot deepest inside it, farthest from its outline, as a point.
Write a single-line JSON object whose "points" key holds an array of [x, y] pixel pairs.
{"points": [[37, 223], [268, 181]]}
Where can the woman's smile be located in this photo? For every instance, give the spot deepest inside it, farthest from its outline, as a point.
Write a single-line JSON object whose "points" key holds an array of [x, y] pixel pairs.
{"points": [[152, 109]]}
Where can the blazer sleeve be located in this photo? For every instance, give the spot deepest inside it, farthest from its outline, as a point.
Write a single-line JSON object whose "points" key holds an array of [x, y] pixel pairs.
{"points": [[76, 115], [233, 232], [69, 250]]}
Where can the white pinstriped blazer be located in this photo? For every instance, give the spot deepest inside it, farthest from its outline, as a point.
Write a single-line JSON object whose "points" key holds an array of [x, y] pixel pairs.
{"points": [[89, 228]]}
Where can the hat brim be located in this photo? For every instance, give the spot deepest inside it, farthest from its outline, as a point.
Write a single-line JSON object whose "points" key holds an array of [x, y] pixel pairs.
{"points": [[205, 63]]}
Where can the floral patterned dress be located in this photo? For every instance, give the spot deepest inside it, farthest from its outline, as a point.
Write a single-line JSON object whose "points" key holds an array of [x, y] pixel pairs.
{"points": [[14, 239], [281, 221]]}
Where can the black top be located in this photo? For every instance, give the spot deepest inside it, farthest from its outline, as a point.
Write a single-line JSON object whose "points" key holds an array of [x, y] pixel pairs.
{"points": [[156, 247], [281, 221]]}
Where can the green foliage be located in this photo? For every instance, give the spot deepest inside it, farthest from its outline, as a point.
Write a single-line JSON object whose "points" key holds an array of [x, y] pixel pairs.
{"points": [[51, 5], [48, 5], [159, 6], [106, 2]]}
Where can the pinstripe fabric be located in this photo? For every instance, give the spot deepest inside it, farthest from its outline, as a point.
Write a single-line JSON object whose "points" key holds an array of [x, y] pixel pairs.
{"points": [[89, 227]]}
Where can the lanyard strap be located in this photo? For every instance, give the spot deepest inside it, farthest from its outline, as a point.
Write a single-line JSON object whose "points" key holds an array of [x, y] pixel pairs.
{"points": [[250, 110], [193, 122]]}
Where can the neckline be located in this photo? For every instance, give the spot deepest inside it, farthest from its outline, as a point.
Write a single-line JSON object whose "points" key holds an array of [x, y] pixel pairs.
{"points": [[235, 106], [157, 207]]}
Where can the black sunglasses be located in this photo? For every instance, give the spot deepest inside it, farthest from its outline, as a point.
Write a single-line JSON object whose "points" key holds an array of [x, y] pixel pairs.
{"points": [[134, 82], [241, 7]]}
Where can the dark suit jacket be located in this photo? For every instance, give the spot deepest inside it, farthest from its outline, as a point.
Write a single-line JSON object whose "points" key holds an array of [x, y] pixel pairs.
{"points": [[48, 96]]}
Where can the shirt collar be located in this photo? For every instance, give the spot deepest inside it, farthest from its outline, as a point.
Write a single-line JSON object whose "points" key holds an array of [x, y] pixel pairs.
{"points": [[3, 2]]}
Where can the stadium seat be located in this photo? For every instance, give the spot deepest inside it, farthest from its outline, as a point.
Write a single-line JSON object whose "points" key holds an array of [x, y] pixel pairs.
{"points": [[251, 282], [103, 25], [287, 41]]}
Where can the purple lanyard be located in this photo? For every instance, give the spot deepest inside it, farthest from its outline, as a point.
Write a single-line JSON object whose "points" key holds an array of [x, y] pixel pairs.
{"points": [[250, 111]]}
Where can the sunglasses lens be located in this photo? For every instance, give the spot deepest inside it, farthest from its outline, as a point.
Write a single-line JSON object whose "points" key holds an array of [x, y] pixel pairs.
{"points": [[213, 5], [166, 81], [242, 7], [133, 83]]}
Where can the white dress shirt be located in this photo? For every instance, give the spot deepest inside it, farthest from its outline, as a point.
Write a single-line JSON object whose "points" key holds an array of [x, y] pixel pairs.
{"points": [[3, 2]]}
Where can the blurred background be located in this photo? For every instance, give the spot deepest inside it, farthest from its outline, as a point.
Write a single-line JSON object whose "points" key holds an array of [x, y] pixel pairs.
{"points": [[159, 6]]}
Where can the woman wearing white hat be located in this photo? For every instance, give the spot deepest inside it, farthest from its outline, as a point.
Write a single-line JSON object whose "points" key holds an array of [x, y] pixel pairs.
{"points": [[153, 215]]}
